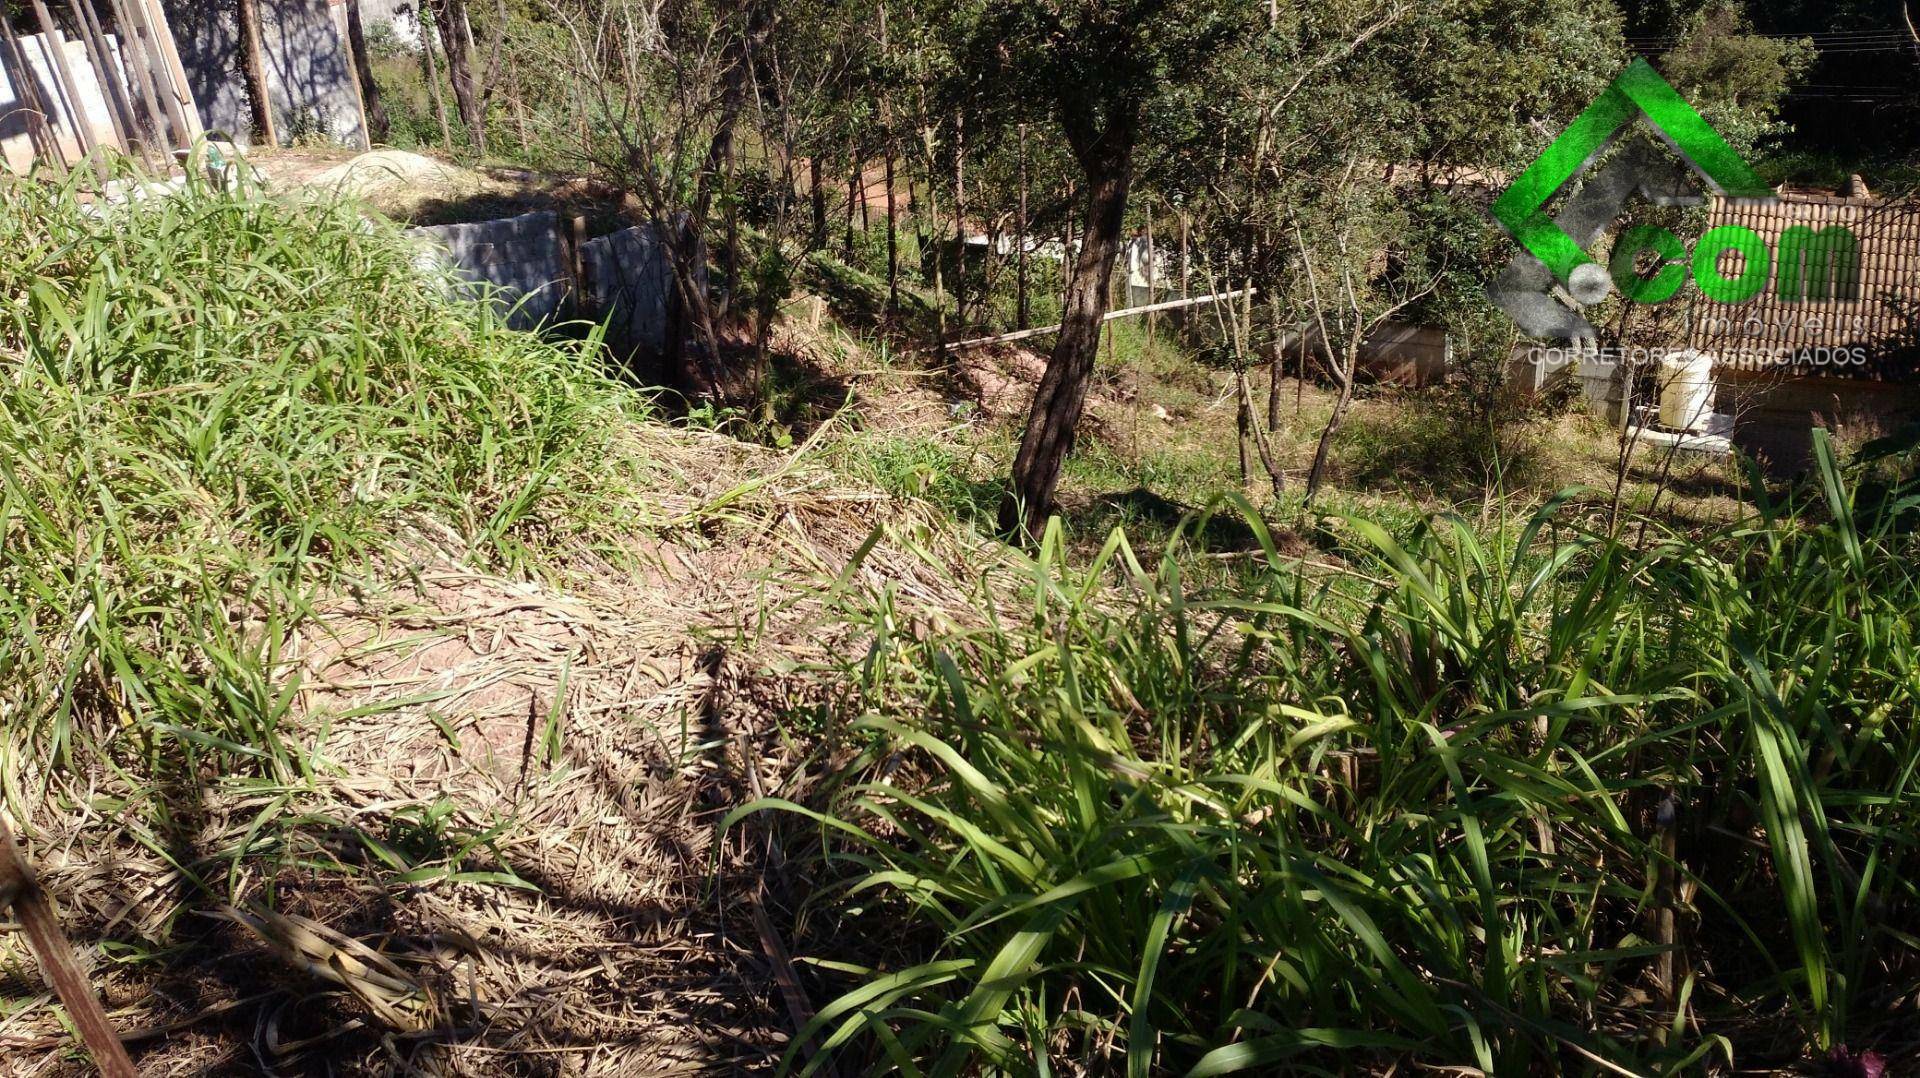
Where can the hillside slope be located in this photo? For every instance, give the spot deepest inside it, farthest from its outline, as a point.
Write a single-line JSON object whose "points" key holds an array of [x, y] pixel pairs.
{"points": [[335, 615]]}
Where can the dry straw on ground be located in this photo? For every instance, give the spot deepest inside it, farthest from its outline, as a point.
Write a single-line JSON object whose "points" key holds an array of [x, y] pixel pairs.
{"points": [[593, 728]]}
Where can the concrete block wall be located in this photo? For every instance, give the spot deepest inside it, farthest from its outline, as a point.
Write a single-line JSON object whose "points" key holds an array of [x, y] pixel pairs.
{"points": [[523, 263]]}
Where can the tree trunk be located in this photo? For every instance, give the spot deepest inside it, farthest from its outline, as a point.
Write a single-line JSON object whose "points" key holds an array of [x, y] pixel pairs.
{"points": [[930, 248], [1107, 160], [817, 193], [721, 158], [893, 239], [893, 214], [1281, 341], [1242, 420], [378, 126], [960, 221], [1323, 451], [853, 196], [1021, 312], [255, 72], [1273, 380], [459, 49], [432, 73]]}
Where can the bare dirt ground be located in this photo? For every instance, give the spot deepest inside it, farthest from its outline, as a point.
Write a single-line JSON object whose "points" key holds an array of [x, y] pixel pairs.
{"points": [[550, 761]]}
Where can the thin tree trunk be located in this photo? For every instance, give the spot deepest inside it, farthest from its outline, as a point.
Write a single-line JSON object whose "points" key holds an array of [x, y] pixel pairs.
{"points": [[427, 30], [1153, 321], [817, 193], [893, 240], [1062, 394], [1323, 451], [893, 215], [519, 113], [1242, 419], [721, 158], [1280, 341], [1273, 385], [730, 257], [930, 246], [960, 220], [1022, 315], [378, 126], [853, 194], [454, 37]]}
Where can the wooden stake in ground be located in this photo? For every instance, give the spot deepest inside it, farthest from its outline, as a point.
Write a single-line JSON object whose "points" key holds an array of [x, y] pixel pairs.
{"points": [[21, 890]]}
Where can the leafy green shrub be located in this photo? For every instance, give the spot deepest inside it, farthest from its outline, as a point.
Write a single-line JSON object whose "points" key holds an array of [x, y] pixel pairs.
{"points": [[1428, 808]]}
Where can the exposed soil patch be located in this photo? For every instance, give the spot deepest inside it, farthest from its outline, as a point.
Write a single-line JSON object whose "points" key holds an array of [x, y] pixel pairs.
{"points": [[510, 815]]}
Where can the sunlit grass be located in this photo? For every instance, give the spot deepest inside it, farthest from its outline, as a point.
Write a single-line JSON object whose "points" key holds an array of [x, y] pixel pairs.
{"points": [[216, 409], [1423, 807]]}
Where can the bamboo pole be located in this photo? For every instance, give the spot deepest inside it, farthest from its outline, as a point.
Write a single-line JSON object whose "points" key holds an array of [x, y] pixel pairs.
{"points": [[1111, 316], [159, 72], [138, 67], [180, 90]]}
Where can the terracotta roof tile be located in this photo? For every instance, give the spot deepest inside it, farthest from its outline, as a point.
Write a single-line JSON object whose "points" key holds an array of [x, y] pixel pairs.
{"points": [[1871, 303]]}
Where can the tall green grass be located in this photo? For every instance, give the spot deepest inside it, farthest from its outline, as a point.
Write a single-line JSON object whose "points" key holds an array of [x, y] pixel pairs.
{"points": [[1427, 809], [214, 408]]}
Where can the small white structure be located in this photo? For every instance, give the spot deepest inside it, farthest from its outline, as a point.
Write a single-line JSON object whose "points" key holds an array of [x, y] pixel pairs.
{"points": [[1686, 391]]}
